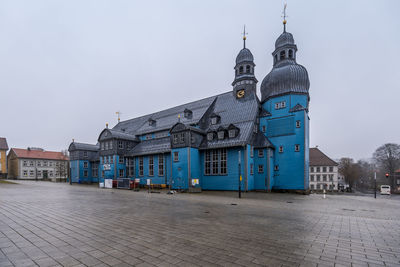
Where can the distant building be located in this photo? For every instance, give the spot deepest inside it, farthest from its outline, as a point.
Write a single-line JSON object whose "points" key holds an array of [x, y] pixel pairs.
{"points": [[323, 171], [397, 181], [3, 157], [35, 163]]}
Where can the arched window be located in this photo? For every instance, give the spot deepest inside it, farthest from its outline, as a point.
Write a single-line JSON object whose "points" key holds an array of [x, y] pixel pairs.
{"points": [[290, 53], [240, 69], [282, 55], [248, 69]]}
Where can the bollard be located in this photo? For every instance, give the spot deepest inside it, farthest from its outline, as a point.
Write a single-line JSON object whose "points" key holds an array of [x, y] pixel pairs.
{"points": [[324, 194]]}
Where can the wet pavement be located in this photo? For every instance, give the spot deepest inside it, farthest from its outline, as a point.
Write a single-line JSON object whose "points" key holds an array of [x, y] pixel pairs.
{"points": [[50, 224]]}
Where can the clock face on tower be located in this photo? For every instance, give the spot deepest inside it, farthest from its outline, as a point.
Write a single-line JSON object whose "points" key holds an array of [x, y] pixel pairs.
{"points": [[240, 93]]}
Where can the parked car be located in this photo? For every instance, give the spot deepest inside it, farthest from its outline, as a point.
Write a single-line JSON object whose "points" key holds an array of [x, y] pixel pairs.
{"points": [[385, 189]]}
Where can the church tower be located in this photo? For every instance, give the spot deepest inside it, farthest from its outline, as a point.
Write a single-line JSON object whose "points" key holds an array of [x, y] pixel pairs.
{"points": [[245, 82], [284, 95]]}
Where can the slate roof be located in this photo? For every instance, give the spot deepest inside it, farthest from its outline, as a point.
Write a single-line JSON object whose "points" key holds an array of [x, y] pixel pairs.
{"points": [[261, 141], [318, 158], [83, 146], [3, 143], [244, 55], [297, 107], [286, 38], [152, 146], [38, 154]]}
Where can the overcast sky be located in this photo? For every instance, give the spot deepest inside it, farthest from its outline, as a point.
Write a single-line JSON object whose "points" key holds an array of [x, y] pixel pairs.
{"points": [[67, 66]]}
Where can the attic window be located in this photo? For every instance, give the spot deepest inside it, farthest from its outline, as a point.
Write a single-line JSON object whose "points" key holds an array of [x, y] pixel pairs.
{"points": [[210, 136], [232, 133], [214, 120], [221, 135], [152, 122], [188, 113]]}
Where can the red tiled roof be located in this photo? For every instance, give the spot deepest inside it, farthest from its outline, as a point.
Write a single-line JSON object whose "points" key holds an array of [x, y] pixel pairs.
{"points": [[37, 154], [317, 158]]}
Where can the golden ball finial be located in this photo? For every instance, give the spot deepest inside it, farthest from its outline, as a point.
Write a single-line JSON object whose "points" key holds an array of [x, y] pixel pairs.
{"points": [[284, 21], [244, 38]]}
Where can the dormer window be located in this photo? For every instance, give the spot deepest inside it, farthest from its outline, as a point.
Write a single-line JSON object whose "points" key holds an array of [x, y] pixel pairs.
{"points": [[215, 119], [248, 69], [231, 133], [221, 135], [188, 113], [152, 122], [210, 136]]}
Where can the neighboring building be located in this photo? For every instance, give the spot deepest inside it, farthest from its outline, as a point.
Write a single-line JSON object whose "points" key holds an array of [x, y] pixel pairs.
{"points": [[35, 163], [3, 157], [84, 163], [396, 189], [323, 171], [200, 141]]}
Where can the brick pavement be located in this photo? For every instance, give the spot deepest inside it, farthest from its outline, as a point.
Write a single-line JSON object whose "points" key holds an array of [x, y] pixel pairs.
{"points": [[49, 224]]}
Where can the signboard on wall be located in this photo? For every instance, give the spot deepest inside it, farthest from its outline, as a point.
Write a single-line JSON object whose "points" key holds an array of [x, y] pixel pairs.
{"points": [[108, 183], [106, 167], [195, 182]]}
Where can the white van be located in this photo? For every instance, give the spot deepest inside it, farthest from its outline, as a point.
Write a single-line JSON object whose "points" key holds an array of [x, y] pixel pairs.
{"points": [[385, 189]]}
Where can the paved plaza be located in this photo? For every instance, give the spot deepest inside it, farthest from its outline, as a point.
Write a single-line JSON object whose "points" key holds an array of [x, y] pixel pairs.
{"points": [[50, 224]]}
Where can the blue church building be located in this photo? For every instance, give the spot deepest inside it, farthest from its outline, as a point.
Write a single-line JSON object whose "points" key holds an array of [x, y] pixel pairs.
{"points": [[197, 145]]}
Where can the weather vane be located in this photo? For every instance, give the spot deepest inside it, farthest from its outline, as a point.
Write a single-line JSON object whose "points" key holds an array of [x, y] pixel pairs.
{"points": [[284, 16], [244, 36]]}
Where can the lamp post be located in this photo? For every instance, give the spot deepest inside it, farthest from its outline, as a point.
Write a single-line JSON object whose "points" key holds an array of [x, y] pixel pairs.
{"points": [[375, 184]]}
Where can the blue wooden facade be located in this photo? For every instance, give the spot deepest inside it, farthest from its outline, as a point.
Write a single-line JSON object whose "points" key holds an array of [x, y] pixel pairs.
{"points": [[201, 141]]}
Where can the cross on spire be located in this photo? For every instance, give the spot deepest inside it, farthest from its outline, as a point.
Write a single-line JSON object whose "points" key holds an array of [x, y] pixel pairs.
{"points": [[244, 36], [284, 16]]}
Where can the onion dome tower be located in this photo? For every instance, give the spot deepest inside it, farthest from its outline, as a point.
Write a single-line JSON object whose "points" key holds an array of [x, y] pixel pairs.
{"points": [[245, 81], [286, 76]]}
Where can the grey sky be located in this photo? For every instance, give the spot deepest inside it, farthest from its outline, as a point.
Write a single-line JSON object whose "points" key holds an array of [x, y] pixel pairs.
{"points": [[66, 67]]}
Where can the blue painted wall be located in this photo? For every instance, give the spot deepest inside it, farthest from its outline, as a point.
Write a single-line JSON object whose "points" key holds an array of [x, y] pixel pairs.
{"points": [[180, 179]]}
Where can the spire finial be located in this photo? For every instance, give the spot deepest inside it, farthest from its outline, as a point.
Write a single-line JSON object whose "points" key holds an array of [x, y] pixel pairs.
{"points": [[244, 36], [284, 17]]}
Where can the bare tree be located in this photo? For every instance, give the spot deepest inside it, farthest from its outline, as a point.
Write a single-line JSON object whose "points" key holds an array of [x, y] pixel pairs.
{"points": [[349, 170], [387, 157]]}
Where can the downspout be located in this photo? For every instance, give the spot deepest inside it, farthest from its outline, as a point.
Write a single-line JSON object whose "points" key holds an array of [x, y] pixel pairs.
{"points": [[268, 184], [245, 168], [189, 174]]}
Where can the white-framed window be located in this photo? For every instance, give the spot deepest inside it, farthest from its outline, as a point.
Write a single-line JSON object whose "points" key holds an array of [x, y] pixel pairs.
{"points": [[102, 146], [121, 160], [175, 138], [110, 144], [231, 133], [151, 166], [182, 138], [24, 163], [324, 177], [30, 163], [215, 162], [45, 163], [318, 169], [85, 154], [298, 124], [318, 177], [260, 168], [176, 156], [31, 173], [95, 169], [261, 153], [25, 173], [50, 163], [221, 135], [161, 165], [331, 177], [140, 166], [331, 169], [51, 173], [85, 164], [121, 172], [312, 178], [214, 120], [130, 166], [312, 186], [39, 163], [85, 173], [280, 105], [312, 169], [210, 136], [323, 169], [281, 149], [297, 148], [106, 145], [120, 145], [39, 173]]}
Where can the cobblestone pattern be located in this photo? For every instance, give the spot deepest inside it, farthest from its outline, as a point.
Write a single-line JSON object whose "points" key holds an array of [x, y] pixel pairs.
{"points": [[49, 224]]}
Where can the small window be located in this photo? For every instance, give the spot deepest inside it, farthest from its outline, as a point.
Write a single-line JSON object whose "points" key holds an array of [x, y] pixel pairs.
{"points": [[298, 124], [25, 173], [330, 169], [318, 169], [221, 135], [182, 138], [312, 186], [175, 138], [297, 148], [312, 178], [331, 177], [282, 55], [251, 168], [323, 169], [85, 155], [263, 128], [248, 69], [85, 164], [24, 163], [276, 168], [45, 163], [176, 156], [31, 173], [121, 160], [151, 166], [318, 186], [240, 69], [290, 53], [140, 166], [210, 136], [50, 164], [85, 174], [260, 168], [120, 145], [232, 133], [318, 177], [106, 145], [214, 120], [324, 177], [281, 149], [260, 153], [30, 163], [121, 172]]}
